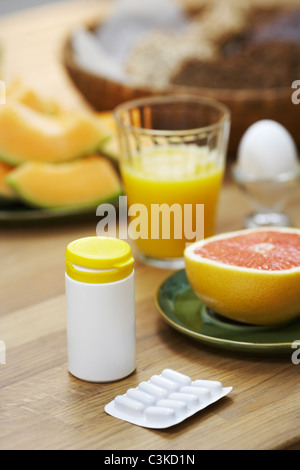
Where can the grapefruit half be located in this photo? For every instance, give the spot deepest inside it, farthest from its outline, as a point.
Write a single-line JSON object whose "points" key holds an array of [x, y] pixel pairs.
{"points": [[251, 276]]}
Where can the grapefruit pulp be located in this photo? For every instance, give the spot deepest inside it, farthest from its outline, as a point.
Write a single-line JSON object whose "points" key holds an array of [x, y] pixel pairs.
{"points": [[251, 276]]}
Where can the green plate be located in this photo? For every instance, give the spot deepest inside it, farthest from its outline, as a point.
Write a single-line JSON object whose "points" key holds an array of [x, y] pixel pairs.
{"points": [[16, 214], [181, 308]]}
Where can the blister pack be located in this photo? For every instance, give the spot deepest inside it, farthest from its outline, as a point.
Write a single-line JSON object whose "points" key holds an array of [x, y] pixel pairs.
{"points": [[165, 399]]}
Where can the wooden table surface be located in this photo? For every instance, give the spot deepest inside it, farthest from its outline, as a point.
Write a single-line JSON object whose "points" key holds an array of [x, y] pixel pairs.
{"points": [[41, 405]]}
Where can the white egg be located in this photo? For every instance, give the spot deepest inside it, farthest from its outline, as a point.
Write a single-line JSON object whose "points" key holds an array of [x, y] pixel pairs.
{"points": [[266, 150]]}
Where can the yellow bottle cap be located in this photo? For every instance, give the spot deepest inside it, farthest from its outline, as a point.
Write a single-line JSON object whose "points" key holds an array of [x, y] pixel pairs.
{"points": [[98, 259]]}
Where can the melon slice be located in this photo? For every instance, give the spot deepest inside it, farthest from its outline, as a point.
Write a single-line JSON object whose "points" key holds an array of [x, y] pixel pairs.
{"points": [[110, 146], [79, 184], [29, 135], [17, 91], [7, 194]]}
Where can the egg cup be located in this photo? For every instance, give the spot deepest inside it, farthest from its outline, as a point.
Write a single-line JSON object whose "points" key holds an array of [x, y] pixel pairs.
{"points": [[268, 197]]}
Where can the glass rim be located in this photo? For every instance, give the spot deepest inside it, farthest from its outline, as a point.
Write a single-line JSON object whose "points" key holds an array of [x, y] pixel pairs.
{"points": [[167, 98]]}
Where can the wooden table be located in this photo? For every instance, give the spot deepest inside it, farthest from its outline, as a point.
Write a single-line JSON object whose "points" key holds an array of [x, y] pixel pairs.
{"points": [[41, 405]]}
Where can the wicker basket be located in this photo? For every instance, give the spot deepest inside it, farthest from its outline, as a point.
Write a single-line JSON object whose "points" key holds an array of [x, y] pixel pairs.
{"points": [[247, 106]]}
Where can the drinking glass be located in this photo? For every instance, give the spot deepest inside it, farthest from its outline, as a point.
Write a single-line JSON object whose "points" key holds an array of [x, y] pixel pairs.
{"points": [[172, 159]]}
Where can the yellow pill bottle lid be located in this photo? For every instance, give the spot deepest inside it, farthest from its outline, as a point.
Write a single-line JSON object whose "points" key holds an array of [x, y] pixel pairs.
{"points": [[98, 260]]}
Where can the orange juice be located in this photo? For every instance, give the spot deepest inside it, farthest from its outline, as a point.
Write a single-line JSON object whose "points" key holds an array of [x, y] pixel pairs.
{"points": [[181, 175]]}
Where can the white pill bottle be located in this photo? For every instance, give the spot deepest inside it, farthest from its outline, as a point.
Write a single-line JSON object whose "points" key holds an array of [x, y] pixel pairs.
{"points": [[100, 307]]}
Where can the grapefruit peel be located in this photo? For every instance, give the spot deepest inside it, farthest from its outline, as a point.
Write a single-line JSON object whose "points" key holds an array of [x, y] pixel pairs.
{"points": [[258, 296]]}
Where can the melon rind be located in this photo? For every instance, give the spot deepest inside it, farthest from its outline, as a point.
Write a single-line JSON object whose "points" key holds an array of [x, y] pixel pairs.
{"points": [[52, 176], [7, 194]]}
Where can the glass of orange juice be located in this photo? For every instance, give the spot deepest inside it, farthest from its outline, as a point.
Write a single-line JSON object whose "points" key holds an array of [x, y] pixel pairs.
{"points": [[172, 160]]}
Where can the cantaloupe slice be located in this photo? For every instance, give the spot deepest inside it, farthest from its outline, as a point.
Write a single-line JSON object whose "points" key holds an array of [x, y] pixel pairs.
{"points": [[29, 135], [7, 194], [110, 146], [82, 183], [17, 91]]}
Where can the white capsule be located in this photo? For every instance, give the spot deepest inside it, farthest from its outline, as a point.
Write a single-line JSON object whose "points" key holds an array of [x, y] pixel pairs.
{"points": [[143, 397], [180, 407], [203, 394], [157, 414], [191, 401], [175, 376], [162, 382], [212, 385], [129, 406], [153, 390]]}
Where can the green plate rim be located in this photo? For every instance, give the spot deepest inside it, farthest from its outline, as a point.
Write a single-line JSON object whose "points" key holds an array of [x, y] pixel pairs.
{"points": [[26, 214], [270, 348]]}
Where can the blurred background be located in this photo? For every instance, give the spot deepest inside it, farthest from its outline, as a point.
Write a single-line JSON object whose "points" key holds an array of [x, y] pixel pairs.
{"points": [[10, 6], [94, 54]]}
